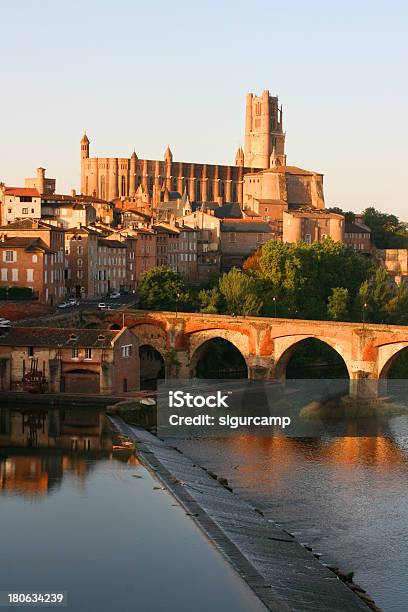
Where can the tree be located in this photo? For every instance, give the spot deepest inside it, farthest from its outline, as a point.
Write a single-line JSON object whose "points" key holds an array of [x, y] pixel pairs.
{"points": [[210, 300], [239, 291], [397, 307], [298, 278], [387, 231], [373, 298], [349, 216], [162, 289], [337, 305]]}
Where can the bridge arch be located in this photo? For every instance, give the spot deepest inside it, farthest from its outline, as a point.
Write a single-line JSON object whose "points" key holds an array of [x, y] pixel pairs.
{"points": [[152, 366], [285, 348], [203, 341], [388, 354]]}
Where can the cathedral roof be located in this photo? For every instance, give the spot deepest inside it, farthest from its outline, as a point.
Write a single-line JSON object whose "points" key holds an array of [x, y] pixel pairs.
{"points": [[289, 170]]}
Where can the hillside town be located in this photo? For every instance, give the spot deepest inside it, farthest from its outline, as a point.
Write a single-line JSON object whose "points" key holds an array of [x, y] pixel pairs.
{"points": [[199, 220]]}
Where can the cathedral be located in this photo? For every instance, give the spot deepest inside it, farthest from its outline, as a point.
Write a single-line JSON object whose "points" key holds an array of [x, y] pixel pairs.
{"points": [[110, 178]]}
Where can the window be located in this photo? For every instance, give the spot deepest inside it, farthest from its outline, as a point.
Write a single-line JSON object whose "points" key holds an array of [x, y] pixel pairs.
{"points": [[102, 195], [260, 238], [74, 353], [10, 256], [88, 353], [14, 274], [34, 258], [74, 444], [127, 350], [25, 211], [308, 238], [232, 237], [79, 263], [30, 275], [30, 351], [4, 274]]}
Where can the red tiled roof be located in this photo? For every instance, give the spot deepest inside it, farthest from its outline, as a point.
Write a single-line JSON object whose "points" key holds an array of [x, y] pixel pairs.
{"points": [[22, 191]]}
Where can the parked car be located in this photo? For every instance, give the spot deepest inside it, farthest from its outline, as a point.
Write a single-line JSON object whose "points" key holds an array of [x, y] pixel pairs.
{"points": [[4, 321], [115, 295], [64, 305], [102, 306], [73, 302]]}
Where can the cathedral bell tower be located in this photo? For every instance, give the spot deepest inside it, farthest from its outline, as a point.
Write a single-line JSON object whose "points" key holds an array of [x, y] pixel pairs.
{"points": [[263, 131]]}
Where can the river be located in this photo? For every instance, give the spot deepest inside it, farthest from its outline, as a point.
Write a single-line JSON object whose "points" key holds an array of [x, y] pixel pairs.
{"points": [[80, 515], [346, 497]]}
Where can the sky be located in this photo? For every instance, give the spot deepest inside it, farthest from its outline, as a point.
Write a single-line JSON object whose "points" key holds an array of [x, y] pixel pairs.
{"points": [[141, 75]]}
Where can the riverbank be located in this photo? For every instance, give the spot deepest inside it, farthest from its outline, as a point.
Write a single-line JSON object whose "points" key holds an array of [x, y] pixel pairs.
{"points": [[283, 573]]}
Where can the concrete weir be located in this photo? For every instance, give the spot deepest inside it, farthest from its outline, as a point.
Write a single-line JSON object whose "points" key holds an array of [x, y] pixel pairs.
{"points": [[283, 574]]}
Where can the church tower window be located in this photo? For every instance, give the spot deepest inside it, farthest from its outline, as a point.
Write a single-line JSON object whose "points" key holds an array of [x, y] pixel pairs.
{"points": [[123, 186], [103, 188]]}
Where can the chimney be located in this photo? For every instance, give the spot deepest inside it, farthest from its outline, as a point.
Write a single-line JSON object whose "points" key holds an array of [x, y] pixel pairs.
{"points": [[73, 193]]}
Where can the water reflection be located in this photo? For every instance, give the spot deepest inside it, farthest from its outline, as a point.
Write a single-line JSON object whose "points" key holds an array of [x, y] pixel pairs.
{"points": [[347, 497], [76, 435]]}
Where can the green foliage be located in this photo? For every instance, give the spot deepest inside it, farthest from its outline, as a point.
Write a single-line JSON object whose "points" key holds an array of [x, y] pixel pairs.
{"points": [[239, 291], [349, 216], [301, 277], [210, 300], [338, 304], [162, 289], [396, 309], [387, 231], [16, 293]]}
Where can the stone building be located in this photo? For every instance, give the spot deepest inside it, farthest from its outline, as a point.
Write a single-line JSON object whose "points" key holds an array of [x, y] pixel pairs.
{"points": [[72, 360], [81, 261], [357, 236], [66, 211], [33, 256], [395, 261], [311, 225], [240, 238], [19, 203], [114, 177], [44, 185]]}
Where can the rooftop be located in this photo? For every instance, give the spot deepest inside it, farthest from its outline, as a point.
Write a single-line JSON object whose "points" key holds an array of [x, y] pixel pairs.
{"points": [[286, 170], [21, 191], [245, 225], [56, 336], [29, 224], [22, 242]]}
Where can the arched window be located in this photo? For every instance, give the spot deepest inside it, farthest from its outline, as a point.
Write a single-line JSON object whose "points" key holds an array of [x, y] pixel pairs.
{"points": [[197, 191], [234, 192], [103, 193], [123, 186], [221, 189], [86, 185]]}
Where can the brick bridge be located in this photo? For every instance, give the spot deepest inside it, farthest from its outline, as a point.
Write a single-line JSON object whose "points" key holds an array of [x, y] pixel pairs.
{"points": [[267, 343]]}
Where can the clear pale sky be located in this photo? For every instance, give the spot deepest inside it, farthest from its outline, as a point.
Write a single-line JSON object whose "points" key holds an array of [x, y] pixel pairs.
{"points": [[147, 74]]}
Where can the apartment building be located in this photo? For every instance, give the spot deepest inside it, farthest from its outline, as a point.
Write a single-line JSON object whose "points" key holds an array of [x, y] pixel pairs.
{"points": [[19, 203], [32, 255]]}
